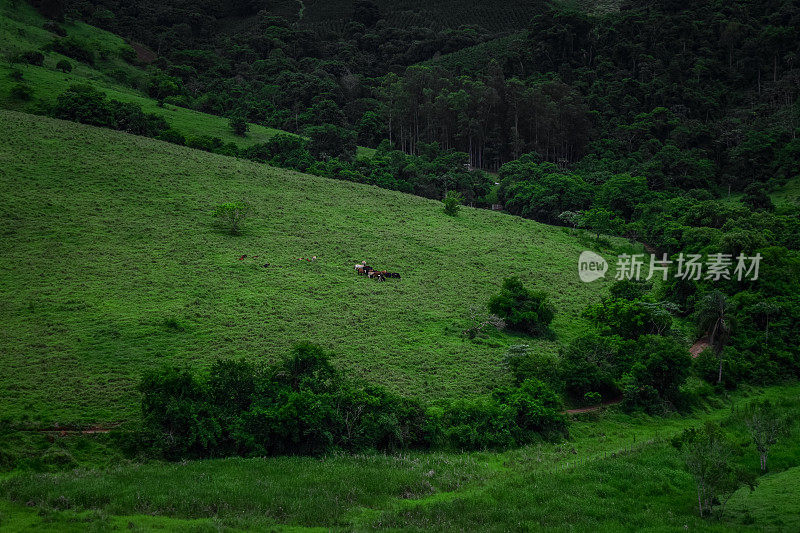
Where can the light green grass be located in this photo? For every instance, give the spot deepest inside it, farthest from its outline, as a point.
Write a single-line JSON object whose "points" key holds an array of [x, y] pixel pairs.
{"points": [[107, 237], [618, 473], [773, 506]]}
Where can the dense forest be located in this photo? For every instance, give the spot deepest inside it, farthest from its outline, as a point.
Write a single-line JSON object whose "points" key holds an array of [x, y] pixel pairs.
{"points": [[716, 108]]}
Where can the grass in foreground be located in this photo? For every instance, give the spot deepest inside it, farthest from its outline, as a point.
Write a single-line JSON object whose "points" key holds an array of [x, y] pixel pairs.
{"points": [[600, 480]]}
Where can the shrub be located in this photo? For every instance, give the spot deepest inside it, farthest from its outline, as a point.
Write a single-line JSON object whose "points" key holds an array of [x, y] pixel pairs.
{"points": [[239, 126], [64, 66], [662, 365], [31, 57], [21, 91], [231, 215], [204, 142], [177, 415], [54, 27], [524, 364], [73, 48], [593, 398], [83, 103], [303, 405], [595, 363], [452, 203], [16, 75], [526, 311], [171, 136]]}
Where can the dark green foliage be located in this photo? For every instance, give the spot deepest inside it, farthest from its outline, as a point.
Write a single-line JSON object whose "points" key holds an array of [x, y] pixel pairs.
{"points": [[31, 57], [171, 136], [64, 66], [21, 91], [329, 141], [756, 197], [54, 27], [661, 366], [523, 310], [73, 48], [84, 103], [304, 406], [52, 9], [239, 125], [631, 318], [595, 363], [16, 75], [629, 289]]}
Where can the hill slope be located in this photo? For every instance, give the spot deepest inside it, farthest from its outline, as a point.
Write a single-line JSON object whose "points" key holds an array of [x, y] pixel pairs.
{"points": [[112, 265], [21, 31]]}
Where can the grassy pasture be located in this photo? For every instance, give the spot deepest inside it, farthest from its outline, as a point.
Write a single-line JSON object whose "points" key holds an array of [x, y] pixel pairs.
{"points": [[617, 472], [113, 264]]}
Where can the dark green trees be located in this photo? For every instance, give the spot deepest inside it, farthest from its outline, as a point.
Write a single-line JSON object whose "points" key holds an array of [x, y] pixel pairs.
{"points": [[523, 310]]}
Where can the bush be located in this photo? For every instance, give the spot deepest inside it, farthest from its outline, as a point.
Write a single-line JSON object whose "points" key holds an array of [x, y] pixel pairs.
{"points": [[31, 57], [452, 203], [205, 142], [593, 398], [64, 66], [525, 311], [83, 103], [171, 136], [594, 363], [303, 405], [73, 48], [662, 365], [239, 126], [21, 91], [54, 27], [231, 215], [16, 75]]}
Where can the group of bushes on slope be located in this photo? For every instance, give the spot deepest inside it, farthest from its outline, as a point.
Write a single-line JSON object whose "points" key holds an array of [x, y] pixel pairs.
{"points": [[304, 405], [636, 353]]}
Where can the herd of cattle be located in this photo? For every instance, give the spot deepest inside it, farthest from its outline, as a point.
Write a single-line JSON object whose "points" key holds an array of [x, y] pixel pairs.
{"points": [[363, 269]]}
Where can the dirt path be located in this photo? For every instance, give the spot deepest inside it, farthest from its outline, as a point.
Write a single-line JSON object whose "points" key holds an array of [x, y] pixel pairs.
{"points": [[592, 408], [700, 345], [73, 431]]}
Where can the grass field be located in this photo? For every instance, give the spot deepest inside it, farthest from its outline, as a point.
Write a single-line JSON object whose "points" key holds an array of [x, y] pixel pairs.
{"points": [[112, 265], [617, 473]]}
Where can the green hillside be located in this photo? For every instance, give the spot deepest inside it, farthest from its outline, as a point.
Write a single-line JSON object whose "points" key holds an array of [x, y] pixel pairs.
{"points": [[617, 473], [21, 30], [113, 265]]}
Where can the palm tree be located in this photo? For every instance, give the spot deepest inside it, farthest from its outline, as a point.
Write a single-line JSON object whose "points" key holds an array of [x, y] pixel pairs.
{"points": [[713, 319]]}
